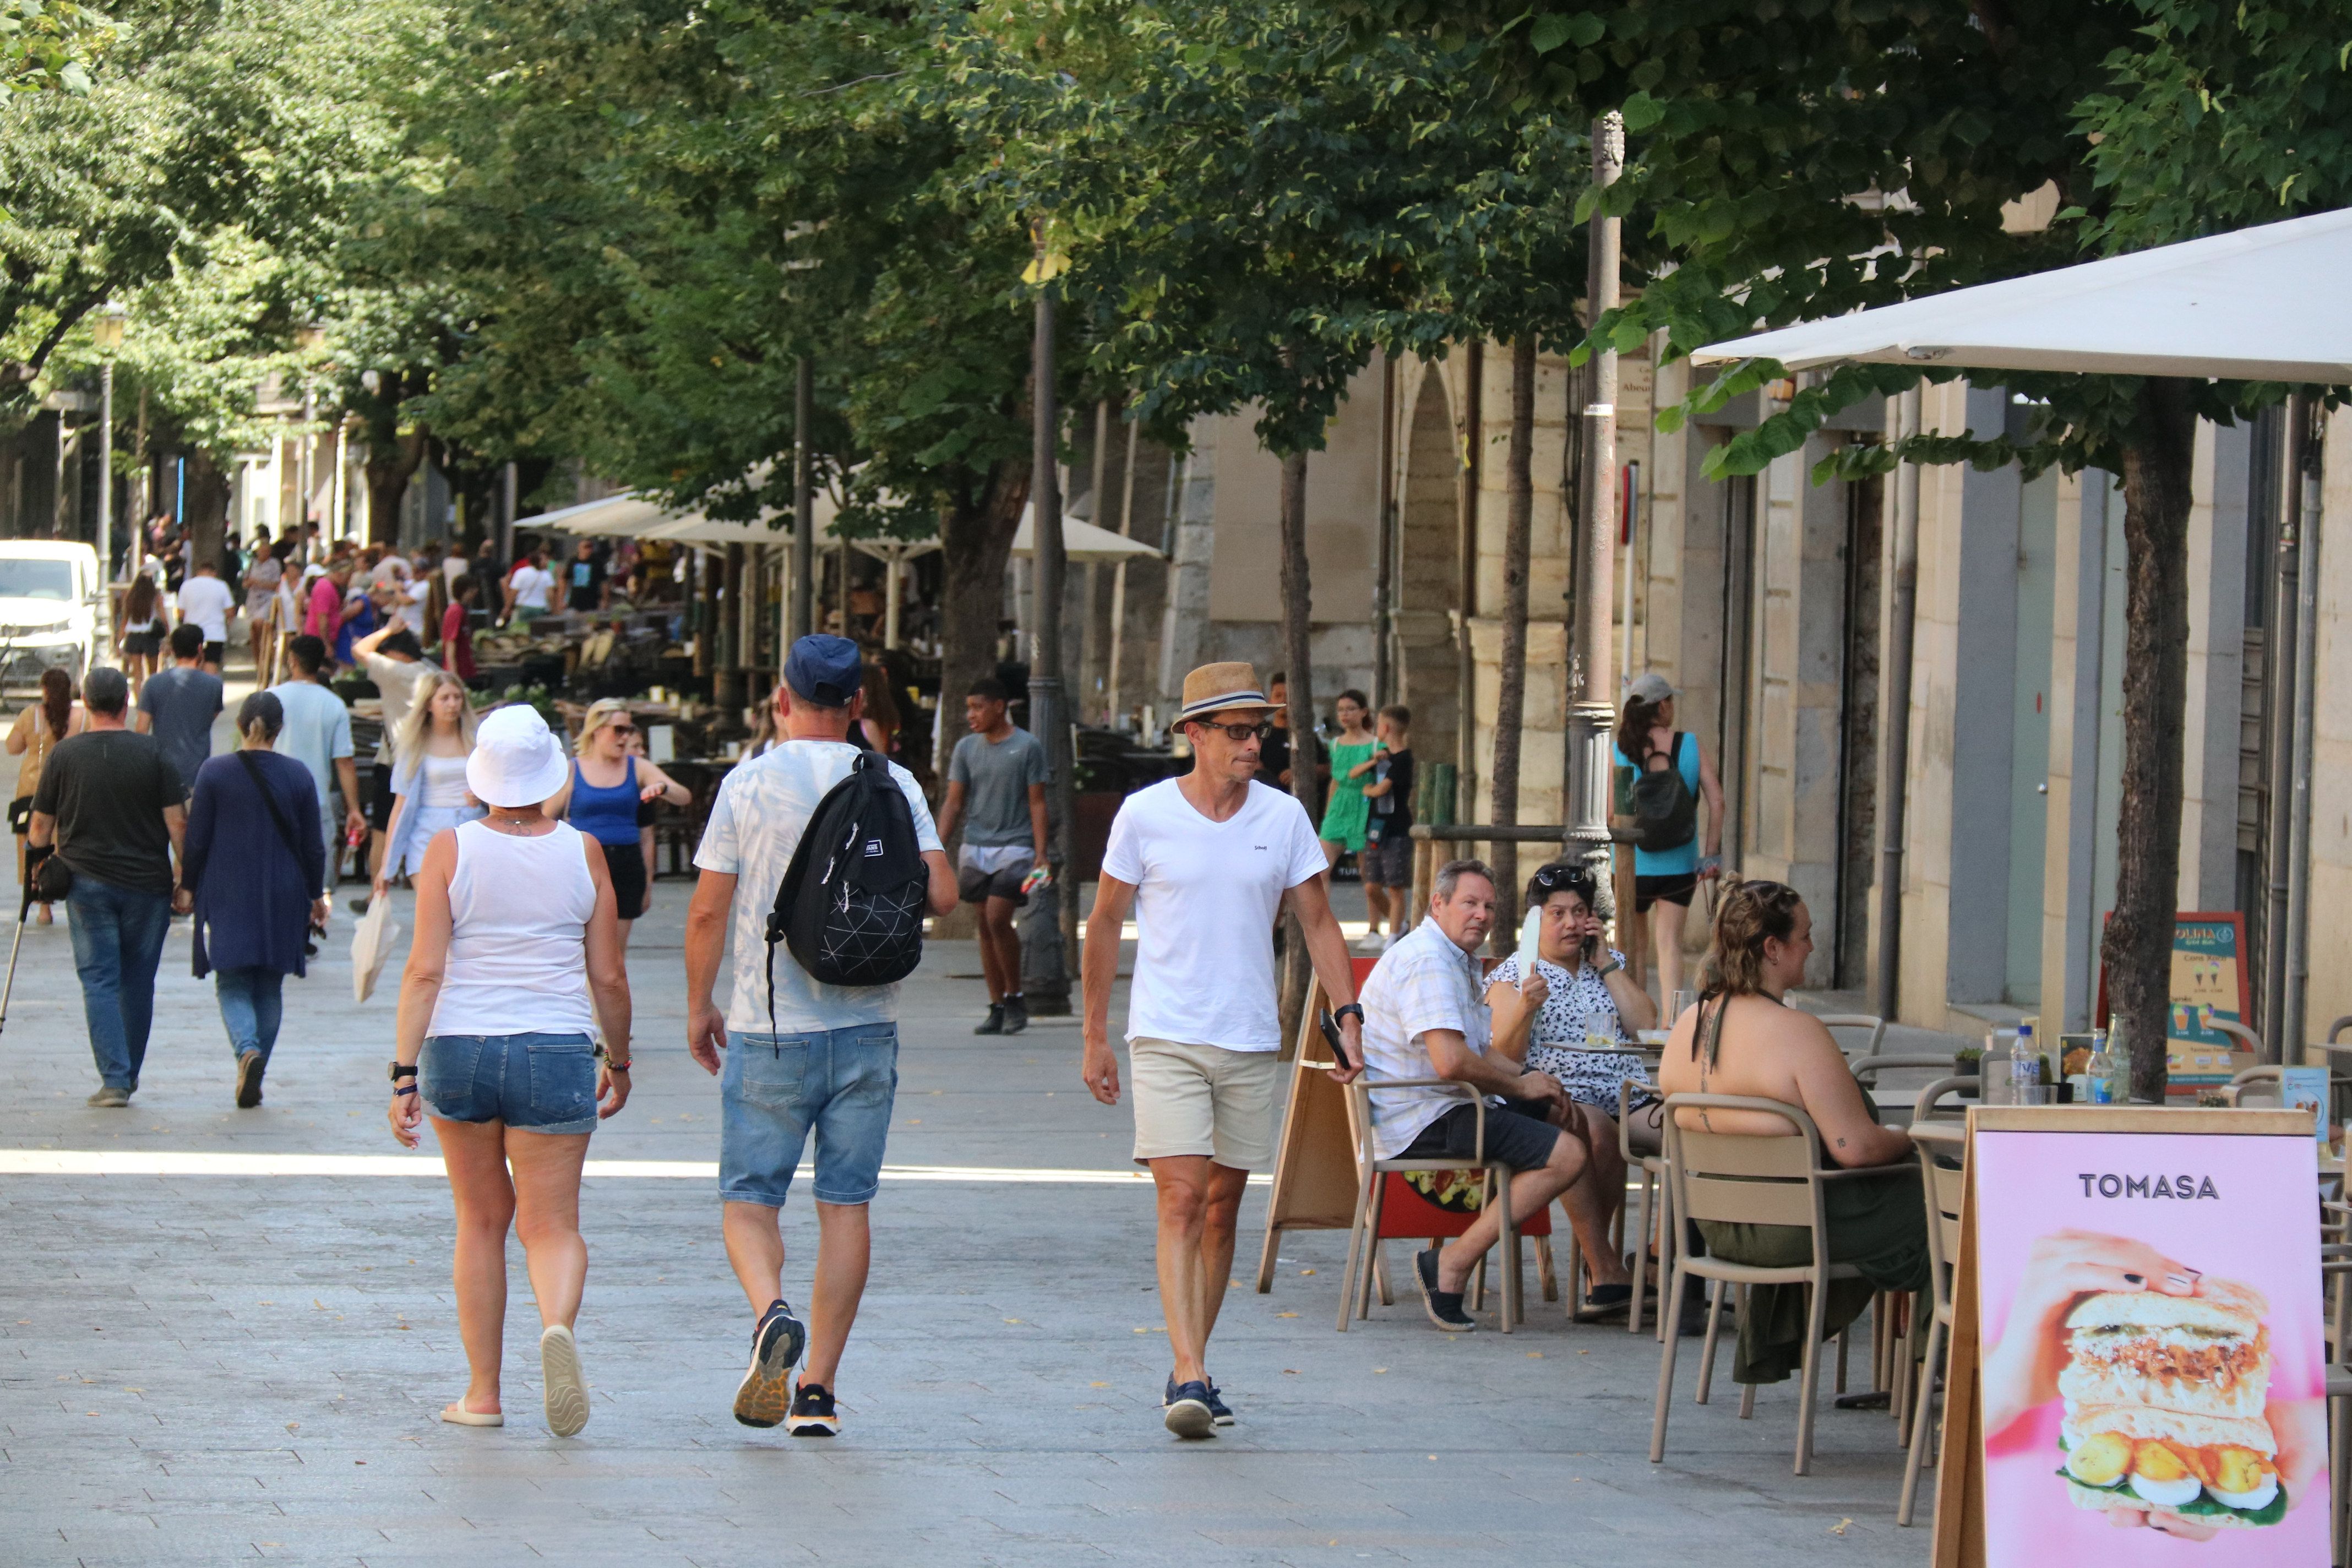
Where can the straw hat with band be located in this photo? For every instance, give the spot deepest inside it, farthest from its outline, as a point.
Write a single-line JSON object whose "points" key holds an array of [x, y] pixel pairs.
{"points": [[1222, 689], [515, 760]]}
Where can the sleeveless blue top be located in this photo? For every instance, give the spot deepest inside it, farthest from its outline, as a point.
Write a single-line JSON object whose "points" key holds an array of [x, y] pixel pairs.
{"points": [[607, 815], [1682, 859]]}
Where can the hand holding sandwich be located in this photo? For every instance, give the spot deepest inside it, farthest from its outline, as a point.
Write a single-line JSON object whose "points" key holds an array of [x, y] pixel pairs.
{"points": [[2022, 1371]]}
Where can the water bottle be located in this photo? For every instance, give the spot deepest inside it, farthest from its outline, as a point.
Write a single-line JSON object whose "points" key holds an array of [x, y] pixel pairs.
{"points": [[2118, 1090], [2024, 1068], [2100, 1071]]}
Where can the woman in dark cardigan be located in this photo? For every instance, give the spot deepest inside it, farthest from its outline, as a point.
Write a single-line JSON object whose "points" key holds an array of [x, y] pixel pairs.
{"points": [[253, 919]]}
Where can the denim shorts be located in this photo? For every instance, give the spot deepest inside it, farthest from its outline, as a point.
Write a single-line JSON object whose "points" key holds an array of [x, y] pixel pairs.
{"points": [[541, 1083], [775, 1089]]}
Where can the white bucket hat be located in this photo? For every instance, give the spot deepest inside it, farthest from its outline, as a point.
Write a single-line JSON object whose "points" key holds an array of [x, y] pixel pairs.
{"points": [[515, 760]]}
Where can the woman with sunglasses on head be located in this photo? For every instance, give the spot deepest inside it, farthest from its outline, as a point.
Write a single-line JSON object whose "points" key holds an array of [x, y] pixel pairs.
{"points": [[1742, 1039], [601, 797], [1587, 993]]}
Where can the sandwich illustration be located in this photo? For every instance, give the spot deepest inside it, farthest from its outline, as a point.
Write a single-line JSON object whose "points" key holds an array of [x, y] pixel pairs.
{"points": [[2164, 1405]]}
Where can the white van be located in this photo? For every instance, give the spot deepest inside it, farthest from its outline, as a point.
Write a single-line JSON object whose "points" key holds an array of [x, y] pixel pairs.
{"points": [[49, 609]]}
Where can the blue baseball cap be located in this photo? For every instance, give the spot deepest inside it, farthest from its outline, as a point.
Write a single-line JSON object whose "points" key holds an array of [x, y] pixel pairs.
{"points": [[826, 670]]}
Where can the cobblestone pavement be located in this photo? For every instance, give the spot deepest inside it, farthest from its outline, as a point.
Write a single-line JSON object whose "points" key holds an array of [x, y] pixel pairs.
{"points": [[202, 1368]]}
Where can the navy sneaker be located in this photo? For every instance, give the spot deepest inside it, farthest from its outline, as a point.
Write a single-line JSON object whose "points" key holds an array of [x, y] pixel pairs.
{"points": [[1016, 1015], [1216, 1401], [1444, 1307], [766, 1392], [1188, 1412], [813, 1413]]}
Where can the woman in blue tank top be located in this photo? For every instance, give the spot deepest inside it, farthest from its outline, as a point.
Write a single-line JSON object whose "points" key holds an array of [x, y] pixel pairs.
{"points": [[602, 795], [1664, 880]]}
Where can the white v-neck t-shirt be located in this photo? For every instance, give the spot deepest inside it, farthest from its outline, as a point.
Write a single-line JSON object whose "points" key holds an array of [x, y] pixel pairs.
{"points": [[1206, 894]]}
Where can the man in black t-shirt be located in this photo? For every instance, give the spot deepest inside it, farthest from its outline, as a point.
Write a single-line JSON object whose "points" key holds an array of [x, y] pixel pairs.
{"points": [[1388, 851], [112, 805], [585, 587], [1274, 752]]}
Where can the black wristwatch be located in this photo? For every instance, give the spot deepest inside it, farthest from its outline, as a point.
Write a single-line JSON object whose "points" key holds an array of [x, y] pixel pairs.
{"points": [[1344, 1009], [400, 1070]]}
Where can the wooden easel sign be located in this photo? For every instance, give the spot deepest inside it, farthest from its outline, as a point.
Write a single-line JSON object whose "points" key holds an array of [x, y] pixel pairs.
{"points": [[2139, 1367]]}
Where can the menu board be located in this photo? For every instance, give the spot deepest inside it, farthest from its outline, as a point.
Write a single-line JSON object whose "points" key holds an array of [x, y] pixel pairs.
{"points": [[2152, 1373], [2208, 982]]}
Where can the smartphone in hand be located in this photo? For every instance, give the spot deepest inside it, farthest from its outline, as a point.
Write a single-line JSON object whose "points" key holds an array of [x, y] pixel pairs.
{"points": [[1336, 1041]]}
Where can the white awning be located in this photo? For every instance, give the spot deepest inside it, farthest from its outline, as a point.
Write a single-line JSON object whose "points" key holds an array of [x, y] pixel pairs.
{"points": [[1081, 541], [2262, 304]]}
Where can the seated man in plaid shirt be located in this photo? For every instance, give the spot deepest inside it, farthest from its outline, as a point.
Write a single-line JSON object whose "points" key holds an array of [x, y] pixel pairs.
{"points": [[1424, 1019]]}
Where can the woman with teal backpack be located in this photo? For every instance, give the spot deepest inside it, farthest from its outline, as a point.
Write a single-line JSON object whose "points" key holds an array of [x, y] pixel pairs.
{"points": [[1668, 775]]}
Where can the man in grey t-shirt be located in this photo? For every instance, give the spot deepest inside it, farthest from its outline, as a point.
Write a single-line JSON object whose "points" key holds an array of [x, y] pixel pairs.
{"points": [[996, 788], [177, 706]]}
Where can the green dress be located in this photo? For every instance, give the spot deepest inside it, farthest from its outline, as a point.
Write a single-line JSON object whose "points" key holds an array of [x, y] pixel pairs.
{"points": [[1346, 813]]}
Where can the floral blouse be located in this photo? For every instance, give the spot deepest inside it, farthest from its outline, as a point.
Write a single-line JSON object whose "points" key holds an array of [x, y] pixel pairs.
{"points": [[1589, 1077]]}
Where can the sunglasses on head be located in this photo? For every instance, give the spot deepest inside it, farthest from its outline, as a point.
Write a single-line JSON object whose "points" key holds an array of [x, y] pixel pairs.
{"points": [[1239, 733], [1564, 879]]}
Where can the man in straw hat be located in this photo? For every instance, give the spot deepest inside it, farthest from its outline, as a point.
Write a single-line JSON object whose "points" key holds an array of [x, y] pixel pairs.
{"points": [[1204, 860]]}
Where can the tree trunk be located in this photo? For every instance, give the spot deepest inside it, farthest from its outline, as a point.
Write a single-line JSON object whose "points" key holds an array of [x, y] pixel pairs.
{"points": [[1511, 691], [975, 542], [1297, 653], [389, 465], [208, 502], [2137, 949]]}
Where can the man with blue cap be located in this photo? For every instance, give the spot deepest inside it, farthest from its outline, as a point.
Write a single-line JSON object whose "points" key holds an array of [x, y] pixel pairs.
{"points": [[827, 1064]]}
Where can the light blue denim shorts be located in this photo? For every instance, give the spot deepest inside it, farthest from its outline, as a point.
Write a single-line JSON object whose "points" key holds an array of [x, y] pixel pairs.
{"points": [[541, 1083], [775, 1089]]}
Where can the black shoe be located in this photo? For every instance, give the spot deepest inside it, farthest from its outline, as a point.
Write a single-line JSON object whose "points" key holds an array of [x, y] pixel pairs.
{"points": [[1694, 1321], [1188, 1412], [249, 1069], [994, 1023], [1016, 1015], [1444, 1307], [359, 906], [813, 1413], [1608, 1297], [1215, 1399], [766, 1391]]}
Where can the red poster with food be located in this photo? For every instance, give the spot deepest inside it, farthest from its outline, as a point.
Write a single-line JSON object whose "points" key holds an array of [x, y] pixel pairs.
{"points": [[2154, 1371]]}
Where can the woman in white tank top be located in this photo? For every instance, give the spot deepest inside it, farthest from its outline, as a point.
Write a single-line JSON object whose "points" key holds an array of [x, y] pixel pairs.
{"points": [[516, 965]]}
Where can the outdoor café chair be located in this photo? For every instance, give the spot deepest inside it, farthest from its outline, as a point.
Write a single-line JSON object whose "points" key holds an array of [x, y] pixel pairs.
{"points": [[1933, 1101], [1363, 1234], [1942, 1179], [1769, 1180], [1871, 1021], [2267, 1086], [1654, 1179]]}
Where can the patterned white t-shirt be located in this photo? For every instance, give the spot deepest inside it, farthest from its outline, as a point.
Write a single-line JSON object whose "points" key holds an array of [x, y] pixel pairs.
{"points": [[1590, 1078]]}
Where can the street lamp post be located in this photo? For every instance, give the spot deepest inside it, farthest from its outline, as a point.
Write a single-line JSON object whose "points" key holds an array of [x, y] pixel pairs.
{"points": [[1591, 716], [106, 332]]}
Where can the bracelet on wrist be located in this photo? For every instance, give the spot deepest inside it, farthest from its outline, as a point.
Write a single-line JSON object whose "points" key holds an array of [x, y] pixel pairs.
{"points": [[611, 1066]]}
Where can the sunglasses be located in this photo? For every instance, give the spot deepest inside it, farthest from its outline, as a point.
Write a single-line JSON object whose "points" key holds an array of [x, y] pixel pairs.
{"points": [[1567, 879], [622, 729], [1239, 733]]}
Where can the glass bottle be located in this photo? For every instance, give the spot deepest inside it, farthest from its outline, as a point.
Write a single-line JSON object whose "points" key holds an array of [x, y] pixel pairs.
{"points": [[2100, 1071], [2118, 1064]]}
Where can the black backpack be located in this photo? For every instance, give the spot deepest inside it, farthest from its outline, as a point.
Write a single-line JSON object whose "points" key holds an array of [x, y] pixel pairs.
{"points": [[851, 905], [1666, 813]]}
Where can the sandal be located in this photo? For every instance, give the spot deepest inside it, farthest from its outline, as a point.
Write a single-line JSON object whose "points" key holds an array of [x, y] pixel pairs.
{"points": [[457, 1414]]}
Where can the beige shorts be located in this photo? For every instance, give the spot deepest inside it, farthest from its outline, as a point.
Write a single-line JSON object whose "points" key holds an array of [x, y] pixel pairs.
{"points": [[1203, 1100]]}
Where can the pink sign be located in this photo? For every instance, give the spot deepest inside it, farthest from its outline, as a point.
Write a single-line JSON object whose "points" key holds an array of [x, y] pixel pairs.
{"points": [[2154, 1374]]}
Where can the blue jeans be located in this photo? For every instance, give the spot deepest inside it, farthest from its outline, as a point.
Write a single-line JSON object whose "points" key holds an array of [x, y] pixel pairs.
{"points": [[118, 940], [775, 1089], [251, 1003]]}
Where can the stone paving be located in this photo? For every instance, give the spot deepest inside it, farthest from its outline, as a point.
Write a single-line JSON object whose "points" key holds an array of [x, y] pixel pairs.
{"points": [[210, 1368]]}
